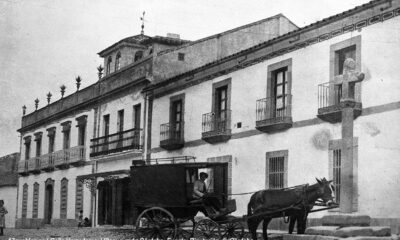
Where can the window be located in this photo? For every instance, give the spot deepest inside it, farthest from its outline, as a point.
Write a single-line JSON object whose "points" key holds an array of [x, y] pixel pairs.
{"points": [[81, 124], [181, 56], [118, 61], [136, 116], [276, 169], [176, 116], [35, 203], [335, 169], [66, 129], [27, 147], [106, 124], [24, 200], [120, 122], [279, 89], [64, 198], [339, 52], [81, 135], [38, 140], [51, 133], [337, 162], [138, 56], [78, 197], [108, 68]]}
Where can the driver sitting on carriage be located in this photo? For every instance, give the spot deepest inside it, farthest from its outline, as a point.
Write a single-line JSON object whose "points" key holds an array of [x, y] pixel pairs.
{"points": [[211, 201]]}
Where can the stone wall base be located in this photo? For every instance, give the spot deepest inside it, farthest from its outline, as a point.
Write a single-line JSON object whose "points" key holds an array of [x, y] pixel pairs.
{"points": [[40, 223], [393, 223]]}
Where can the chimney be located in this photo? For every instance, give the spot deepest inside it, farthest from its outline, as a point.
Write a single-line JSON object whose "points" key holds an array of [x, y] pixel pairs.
{"points": [[173, 35]]}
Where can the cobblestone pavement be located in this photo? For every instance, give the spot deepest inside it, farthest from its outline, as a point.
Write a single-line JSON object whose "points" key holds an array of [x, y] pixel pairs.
{"points": [[81, 233], [68, 233]]}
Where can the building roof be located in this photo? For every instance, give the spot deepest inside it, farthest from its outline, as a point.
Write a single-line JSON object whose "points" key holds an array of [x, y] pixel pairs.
{"points": [[225, 33], [8, 170], [265, 44], [144, 40]]}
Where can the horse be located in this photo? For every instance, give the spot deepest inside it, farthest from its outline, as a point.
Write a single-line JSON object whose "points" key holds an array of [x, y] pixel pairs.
{"points": [[301, 218], [267, 204]]}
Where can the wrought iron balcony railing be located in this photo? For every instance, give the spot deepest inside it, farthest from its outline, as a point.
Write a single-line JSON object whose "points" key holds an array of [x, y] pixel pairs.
{"points": [[68, 156], [274, 114], [216, 126], [329, 97], [127, 140], [171, 135], [47, 162]]}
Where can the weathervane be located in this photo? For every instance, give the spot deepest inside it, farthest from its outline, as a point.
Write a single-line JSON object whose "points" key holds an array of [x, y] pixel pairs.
{"points": [[142, 18]]}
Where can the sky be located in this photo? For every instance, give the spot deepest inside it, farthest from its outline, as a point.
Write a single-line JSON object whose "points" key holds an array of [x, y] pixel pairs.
{"points": [[47, 43]]}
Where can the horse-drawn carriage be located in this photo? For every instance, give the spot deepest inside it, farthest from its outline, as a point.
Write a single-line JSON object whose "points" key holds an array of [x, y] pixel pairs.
{"points": [[163, 196]]}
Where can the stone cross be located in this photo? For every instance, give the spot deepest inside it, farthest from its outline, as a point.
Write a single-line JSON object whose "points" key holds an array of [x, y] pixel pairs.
{"points": [[347, 103], [350, 76]]}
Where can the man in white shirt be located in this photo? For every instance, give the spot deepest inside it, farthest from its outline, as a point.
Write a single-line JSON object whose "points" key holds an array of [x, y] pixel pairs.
{"points": [[199, 186]]}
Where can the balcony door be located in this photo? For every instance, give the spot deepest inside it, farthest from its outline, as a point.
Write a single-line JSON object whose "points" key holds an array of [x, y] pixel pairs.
{"points": [[177, 120], [106, 131], [221, 108], [280, 94]]}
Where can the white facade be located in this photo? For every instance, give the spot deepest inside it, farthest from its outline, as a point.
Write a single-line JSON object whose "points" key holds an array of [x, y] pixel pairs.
{"points": [[307, 142]]}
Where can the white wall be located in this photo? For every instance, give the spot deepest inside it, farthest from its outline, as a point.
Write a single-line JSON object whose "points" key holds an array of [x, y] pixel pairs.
{"points": [[9, 195], [57, 176], [308, 146]]}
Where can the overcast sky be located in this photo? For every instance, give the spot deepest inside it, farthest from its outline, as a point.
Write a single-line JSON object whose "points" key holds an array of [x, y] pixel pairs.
{"points": [[47, 43]]}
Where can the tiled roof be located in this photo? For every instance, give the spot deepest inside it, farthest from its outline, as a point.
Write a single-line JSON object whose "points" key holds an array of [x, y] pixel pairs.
{"points": [[315, 25], [144, 40]]}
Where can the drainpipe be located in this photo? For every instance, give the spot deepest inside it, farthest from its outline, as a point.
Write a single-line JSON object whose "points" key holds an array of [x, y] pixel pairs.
{"points": [[20, 150], [149, 115]]}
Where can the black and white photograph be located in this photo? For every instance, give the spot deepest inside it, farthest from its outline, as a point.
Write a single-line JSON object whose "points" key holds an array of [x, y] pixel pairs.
{"points": [[199, 119]]}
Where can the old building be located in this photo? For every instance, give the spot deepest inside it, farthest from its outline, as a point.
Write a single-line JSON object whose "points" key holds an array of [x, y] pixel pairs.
{"points": [[290, 109], [275, 101], [76, 151], [8, 185]]}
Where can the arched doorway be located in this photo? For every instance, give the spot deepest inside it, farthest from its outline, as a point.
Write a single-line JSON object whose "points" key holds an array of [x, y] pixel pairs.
{"points": [[48, 200]]}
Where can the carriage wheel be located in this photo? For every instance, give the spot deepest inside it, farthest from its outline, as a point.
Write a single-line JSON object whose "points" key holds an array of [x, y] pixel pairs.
{"points": [[206, 229], [233, 229], [156, 222]]}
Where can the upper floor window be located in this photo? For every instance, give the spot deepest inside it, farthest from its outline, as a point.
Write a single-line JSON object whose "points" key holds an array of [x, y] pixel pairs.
{"points": [[181, 56], [81, 129], [66, 130], [120, 122], [339, 52], [278, 89], [108, 68], [341, 55], [138, 55], [118, 61], [106, 124], [38, 140], [27, 147], [177, 116], [51, 133], [136, 116]]}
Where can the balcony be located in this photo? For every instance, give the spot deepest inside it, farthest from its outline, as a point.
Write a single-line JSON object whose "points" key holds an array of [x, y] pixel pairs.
{"points": [[127, 140], [171, 138], [36, 168], [47, 162], [216, 127], [329, 107], [72, 156], [272, 116], [23, 168]]}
